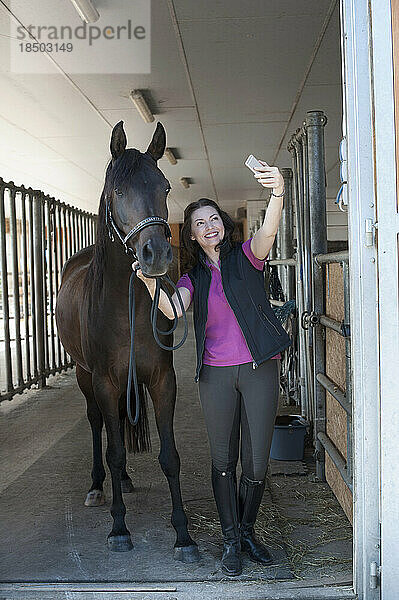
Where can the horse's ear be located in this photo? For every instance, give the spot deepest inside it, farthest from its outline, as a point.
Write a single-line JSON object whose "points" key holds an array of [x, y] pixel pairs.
{"points": [[158, 143], [118, 140]]}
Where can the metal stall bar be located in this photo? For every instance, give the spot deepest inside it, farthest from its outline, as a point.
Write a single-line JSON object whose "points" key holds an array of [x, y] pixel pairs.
{"points": [[32, 282], [49, 233], [46, 274], [15, 286], [80, 230], [303, 206], [57, 264], [287, 276], [333, 257], [85, 231], [64, 255], [315, 122], [306, 408], [4, 292], [49, 209], [73, 231], [39, 299], [334, 390], [277, 245], [25, 286], [336, 457], [69, 229], [332, 324], [288, 262], [92, 232]]}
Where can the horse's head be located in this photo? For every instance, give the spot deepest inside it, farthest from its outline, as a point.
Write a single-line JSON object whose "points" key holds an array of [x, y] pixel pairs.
{"points": [[136, 189]]}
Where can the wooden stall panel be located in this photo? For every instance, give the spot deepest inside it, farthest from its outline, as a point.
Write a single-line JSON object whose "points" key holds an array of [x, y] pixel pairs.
{"points": [[339, 488], [335, 370]]}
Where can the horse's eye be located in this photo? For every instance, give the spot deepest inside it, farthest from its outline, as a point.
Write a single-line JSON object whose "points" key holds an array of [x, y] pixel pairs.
{"points": [[118, 192]]}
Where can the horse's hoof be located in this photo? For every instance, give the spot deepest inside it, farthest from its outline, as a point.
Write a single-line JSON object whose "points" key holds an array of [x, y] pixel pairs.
{"points": [[119, 543], [95, 498], [127, 486], [187, 554]]}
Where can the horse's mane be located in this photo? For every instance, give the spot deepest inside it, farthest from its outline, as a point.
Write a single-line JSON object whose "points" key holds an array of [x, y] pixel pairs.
{"points": [[116, 174]]}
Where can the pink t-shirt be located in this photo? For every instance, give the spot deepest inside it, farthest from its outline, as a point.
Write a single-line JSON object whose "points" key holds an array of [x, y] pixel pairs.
{"points": [[225, 344]]}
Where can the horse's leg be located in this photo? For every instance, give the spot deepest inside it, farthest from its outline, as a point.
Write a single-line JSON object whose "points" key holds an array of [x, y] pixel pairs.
{"points": [[95, 496], [126, 482], [163, 395], [107, 396]]}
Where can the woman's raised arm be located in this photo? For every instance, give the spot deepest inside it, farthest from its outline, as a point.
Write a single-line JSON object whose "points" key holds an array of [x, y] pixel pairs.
{"points": [[263, 240]]}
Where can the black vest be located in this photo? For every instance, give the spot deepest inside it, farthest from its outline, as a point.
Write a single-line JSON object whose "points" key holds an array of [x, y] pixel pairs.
{"points": [[244, 288]]}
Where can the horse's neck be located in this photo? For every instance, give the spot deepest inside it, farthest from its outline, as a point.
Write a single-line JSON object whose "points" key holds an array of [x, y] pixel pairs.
{"points": [[118, 265]]}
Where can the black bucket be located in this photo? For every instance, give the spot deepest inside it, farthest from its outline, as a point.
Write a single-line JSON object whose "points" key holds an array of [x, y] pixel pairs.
{"points": [[288, 441]]}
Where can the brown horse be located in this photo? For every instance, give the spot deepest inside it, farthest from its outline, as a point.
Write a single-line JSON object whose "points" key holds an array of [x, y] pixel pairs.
{"points": [[93, 324]]}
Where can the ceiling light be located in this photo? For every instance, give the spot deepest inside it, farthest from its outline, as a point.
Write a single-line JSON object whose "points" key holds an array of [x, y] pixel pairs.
{"points": [[170, 156], [86, 10], [138, 100], [185, 182]]}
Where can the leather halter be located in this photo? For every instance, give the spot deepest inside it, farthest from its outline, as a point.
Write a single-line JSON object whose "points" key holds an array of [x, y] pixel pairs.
{"points": [[148, 221]]}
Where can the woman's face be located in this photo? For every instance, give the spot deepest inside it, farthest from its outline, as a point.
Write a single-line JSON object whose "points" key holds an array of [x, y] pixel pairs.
{"points": [[207, 227]]}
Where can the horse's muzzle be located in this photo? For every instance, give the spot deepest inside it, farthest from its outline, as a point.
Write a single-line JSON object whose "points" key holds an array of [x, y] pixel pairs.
{"points": [[155, 257]]}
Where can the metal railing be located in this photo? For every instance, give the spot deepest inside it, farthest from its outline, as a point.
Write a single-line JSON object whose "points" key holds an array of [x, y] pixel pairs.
{"points": [[302, 276], [37, 235]]}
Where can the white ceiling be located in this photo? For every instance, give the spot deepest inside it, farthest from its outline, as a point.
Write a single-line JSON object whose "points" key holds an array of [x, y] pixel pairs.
{"points": [[227, 80]]}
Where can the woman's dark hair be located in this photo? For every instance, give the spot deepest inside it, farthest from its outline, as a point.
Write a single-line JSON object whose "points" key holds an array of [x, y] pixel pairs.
{"points": [[190, 249]]}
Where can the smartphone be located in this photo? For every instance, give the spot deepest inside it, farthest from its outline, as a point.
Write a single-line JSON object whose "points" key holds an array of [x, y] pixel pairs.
{"points": [[253, 163]]}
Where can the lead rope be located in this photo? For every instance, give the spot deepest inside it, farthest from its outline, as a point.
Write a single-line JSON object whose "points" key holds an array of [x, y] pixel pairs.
{"points": [[132, 374]]}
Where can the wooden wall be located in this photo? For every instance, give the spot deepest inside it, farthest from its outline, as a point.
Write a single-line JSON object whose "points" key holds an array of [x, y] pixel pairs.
{"points": [[335, 370]]}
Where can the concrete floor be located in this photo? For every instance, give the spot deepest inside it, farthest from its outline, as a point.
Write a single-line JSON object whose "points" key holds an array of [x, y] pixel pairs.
{"points": [[48, 535]]}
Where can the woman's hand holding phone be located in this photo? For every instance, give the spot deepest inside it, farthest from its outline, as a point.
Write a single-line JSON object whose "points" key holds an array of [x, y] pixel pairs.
{"points": [[267, 176]]}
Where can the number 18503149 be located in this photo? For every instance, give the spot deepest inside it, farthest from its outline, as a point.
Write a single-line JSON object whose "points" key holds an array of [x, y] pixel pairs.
{"points": [[45, 47]]}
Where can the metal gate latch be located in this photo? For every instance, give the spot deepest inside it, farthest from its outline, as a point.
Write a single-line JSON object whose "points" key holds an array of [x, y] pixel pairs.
{"points": [[370, 229], [309, 319]]}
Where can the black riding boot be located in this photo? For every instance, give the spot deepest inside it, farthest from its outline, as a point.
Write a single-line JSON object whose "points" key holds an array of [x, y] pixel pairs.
{"points": [[225, 491], [250, 497]]}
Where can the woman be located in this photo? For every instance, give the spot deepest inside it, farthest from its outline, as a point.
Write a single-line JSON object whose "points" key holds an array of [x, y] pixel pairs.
{"points": [[238, 340]]}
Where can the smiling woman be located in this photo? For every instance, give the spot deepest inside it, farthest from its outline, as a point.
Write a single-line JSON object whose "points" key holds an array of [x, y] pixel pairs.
{"points": [[237, 338]]}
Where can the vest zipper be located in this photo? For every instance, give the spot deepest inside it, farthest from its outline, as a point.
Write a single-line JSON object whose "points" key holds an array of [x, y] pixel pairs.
{"points": [[254, 364], [196, 379], [267, 319]]}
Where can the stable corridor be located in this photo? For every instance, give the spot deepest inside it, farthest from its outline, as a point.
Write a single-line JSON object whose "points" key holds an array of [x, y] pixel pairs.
{"points": [[48, 535]]}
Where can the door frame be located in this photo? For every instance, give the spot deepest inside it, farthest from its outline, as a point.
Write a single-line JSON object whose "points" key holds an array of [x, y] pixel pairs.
{"points": [[386, 164], [359, 124]]}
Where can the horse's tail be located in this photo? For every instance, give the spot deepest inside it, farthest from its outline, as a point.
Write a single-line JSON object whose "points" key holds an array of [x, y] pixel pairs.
{"points": [[137, 438]]}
